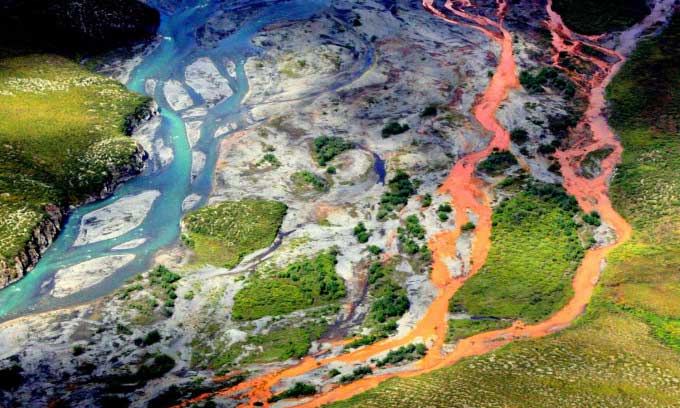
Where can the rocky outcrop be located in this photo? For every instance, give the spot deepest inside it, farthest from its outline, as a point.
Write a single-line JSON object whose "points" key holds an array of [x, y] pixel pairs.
{"points": [[75, 26], [40, 240], [46, 231]]}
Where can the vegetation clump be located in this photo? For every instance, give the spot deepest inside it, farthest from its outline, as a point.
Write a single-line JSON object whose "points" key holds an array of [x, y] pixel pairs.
{"points": [[511, 284], [404, 353], [519, 136], [306, 180], [326, 148], [463, 328], [394, 128], [497, 162], [302, 284], [225, 233], [298, 390], [361, 233], [389, 303], [357, 373], [400, 189], [547, 77]]}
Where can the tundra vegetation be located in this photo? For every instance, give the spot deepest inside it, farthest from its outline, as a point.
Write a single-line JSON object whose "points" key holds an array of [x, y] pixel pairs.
{"points": [[537, 220], [224, 233], [63, 136]]}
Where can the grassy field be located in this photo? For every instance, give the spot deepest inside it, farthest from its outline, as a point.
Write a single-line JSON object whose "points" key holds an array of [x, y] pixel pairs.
{"points": [[643, 275], [62, 133], [513, 284], [303, 284], [625, 351], [596, 17], [223, 234]]}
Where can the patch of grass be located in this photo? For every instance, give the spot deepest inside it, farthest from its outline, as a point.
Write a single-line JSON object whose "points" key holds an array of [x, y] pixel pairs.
{"points": [[62, 137], [643, 273], [305, 180], [535, 250], [284, 344], [594, 17], [303, 284], [326, 148], [225, 233], [462, 328], [611, 362]]}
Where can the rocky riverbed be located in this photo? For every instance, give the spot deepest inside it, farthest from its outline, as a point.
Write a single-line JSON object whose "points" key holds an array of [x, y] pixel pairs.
{"points": [[372, 65]]}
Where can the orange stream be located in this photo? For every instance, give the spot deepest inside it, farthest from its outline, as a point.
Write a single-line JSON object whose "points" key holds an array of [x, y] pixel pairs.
{"points": [[468, 194]]}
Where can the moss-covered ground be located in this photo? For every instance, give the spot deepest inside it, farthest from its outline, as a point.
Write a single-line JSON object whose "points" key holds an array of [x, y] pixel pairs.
{"points": [[624, 352], [62, 132], [224, 233]]}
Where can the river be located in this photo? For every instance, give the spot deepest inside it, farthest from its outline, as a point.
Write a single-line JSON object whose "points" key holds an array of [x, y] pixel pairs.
{"points": [[160, 229]]}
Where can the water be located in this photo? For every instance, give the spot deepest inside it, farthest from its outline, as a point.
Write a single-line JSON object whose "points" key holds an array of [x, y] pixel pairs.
{"points": [[160, 228]]}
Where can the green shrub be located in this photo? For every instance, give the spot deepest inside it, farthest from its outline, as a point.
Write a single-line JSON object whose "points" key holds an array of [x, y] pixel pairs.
{"points": [[400, 189], [427, 200], [298, 390], [497, 162], [361, 233], [547, 77], [159, 366], [151, 337], [430, 110], [469, 226], [409, 353], [519, 136], [394, 128], [357, 374]]}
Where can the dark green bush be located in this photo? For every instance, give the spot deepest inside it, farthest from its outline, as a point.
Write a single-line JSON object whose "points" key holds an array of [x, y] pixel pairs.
{"points": [[394, 128], [519, 136], [327, 147], [298, 390], [497, 162]]}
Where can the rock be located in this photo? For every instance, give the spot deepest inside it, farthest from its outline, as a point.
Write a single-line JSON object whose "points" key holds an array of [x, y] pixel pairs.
{"points": [[115, 219], [202, 75], [75, 278], [177, 97]]}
